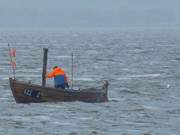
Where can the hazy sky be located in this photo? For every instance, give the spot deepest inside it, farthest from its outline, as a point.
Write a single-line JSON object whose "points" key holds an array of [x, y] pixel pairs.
{"points": [[89, 13]]}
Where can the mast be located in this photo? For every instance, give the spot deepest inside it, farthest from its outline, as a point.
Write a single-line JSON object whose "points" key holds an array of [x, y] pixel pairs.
{"points": [[45, 57], [72, 70]]}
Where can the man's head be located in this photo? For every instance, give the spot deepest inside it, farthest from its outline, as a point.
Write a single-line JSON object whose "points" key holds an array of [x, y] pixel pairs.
{"points": [[55, 67]]}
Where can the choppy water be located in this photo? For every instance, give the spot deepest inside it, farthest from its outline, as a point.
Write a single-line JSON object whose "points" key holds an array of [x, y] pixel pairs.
{"points": [[142, 66]]}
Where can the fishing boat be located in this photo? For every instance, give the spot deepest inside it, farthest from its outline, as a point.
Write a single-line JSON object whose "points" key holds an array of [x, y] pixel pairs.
{"points": [[26, 92]]}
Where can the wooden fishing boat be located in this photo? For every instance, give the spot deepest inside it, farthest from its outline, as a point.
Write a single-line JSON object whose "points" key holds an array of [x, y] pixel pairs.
{"points": [[25, 92]]}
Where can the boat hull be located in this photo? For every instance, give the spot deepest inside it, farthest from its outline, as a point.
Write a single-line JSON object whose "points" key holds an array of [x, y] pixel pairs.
{"points": [[24, 92]]}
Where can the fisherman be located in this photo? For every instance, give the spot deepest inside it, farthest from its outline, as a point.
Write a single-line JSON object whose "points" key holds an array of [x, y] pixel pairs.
{"points": [[60, 78]]}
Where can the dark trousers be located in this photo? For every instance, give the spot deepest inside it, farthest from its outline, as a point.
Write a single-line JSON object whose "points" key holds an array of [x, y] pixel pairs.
{"points": [[60, 86]]}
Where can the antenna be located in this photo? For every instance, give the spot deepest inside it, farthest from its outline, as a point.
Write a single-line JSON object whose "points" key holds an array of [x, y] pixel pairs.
{"points": [[72, 70]]}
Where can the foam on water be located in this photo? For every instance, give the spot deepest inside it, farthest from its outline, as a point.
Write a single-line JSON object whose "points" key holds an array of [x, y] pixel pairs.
{"points": [[139, 76]]}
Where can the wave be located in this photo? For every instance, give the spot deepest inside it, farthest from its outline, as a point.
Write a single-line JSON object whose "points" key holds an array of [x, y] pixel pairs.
{"points": [[139, 76], [130, 92], [83, 79]]}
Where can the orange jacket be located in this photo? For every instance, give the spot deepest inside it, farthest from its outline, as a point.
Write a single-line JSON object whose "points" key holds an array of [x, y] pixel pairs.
{"points": [[57, 71]]}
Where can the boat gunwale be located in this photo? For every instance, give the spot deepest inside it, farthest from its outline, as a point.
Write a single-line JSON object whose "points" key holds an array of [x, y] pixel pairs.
{"points": [[100, 89]]}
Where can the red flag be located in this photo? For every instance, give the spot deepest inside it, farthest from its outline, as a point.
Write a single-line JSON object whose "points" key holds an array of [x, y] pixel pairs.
{"points": [[12, 52]]}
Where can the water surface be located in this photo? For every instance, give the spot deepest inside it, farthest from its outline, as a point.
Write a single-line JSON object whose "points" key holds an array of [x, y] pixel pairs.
{"points": [[142, 67]]}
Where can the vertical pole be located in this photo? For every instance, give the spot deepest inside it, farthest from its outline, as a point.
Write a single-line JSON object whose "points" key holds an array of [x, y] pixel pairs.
{"points": [[72, 73], [45, 57], [11, 61]]}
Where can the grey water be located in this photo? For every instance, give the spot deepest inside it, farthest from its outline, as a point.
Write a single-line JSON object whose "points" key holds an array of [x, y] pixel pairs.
{"points": [[141, 65]]}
